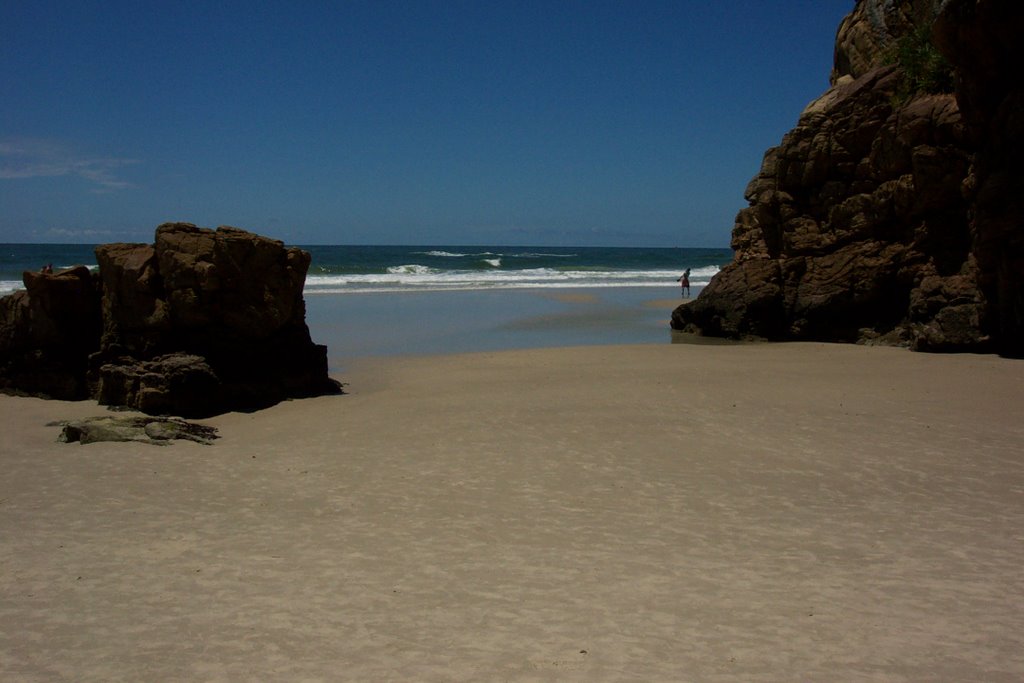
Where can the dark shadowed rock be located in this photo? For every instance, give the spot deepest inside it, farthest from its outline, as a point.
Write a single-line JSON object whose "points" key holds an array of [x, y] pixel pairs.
{"points": [[173, 384], [47, 332], [134, 311], [888, 216], [981, 37], [206, 321], [199, 323]]}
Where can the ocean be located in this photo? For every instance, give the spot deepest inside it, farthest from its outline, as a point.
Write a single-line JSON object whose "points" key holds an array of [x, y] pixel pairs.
{"points": [[381, 300]]}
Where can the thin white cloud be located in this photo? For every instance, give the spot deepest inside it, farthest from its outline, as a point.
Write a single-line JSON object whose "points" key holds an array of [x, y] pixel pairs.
{"points": [[38, 158], [77, 235]]}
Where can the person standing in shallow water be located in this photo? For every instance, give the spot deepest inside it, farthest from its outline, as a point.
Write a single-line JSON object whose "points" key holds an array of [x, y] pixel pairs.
{"points": [[684, 281]]}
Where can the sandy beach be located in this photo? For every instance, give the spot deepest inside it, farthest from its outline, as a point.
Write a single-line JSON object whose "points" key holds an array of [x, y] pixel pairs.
{"points": [[670, 512]]}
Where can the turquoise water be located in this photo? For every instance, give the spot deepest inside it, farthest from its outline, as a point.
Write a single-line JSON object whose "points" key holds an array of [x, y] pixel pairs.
{"points": [[382, 300]]}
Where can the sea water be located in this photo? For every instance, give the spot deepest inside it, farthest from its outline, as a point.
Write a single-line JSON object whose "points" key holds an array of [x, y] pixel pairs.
{"points": [[341, 269], [373, 300]]}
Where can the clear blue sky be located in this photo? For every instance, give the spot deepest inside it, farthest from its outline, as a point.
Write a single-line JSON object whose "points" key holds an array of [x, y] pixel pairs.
{"points": [[633, 123]]}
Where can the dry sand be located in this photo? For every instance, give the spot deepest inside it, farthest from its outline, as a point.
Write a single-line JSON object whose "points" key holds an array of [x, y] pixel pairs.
{"points": [[796, 512]]}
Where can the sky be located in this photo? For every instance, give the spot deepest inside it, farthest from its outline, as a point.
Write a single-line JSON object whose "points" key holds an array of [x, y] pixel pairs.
{"points": [[421, 122]]}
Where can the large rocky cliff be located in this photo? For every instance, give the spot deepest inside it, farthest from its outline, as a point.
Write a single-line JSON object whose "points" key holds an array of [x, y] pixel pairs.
{"points": [[892, 212]]}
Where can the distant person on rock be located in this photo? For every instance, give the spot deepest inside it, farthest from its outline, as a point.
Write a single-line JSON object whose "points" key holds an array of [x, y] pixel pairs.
{"points": [[684, 280]]}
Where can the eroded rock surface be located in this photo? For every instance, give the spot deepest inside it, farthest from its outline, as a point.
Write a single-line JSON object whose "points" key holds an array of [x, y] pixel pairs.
{"points": [[47, 332], [205, 321], [200, 322], [883, 217]]}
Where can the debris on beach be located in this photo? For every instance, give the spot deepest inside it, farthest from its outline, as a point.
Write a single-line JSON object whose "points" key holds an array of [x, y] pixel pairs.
{"points": [[158, 431]]}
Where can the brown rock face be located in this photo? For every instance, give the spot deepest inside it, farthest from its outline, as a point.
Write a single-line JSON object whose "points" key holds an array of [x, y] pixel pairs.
{"points": [[47, 332], [882, 219], [871, 29], [205, 321], [980, 37], [198, 289], [199, 323]]}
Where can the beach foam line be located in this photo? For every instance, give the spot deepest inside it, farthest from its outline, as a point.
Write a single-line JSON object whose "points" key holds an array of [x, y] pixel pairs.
{"points": [[412, 277]]}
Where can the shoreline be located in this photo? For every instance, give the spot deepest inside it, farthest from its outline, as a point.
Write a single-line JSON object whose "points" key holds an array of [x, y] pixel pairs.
{"points": [[746, 512], [353, 326]]}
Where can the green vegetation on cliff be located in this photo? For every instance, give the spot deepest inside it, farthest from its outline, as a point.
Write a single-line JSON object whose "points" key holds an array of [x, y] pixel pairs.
{"points": [[925, 70]]}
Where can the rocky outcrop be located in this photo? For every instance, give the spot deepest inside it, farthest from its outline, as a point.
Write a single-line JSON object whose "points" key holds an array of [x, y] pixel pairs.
{"points": [[866, 36], [866, 222], [200, 322], [205, 320], [47, 332], [980, 37]]}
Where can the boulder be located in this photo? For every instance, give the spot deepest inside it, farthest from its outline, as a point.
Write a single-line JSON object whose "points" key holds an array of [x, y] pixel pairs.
{"points": [[198, 323], [205, 321]]}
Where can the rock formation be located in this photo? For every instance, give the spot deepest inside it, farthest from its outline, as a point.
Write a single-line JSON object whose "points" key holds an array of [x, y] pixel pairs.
{"points": [[890, 213], [980, 37], [47, 332], [199, 323]]}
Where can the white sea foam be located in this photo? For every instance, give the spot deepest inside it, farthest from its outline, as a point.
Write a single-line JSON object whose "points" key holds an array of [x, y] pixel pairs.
{"points": [[531, 254], [415, 277], [450, 254], [8, 286], [440, 254], [411, 269]]}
